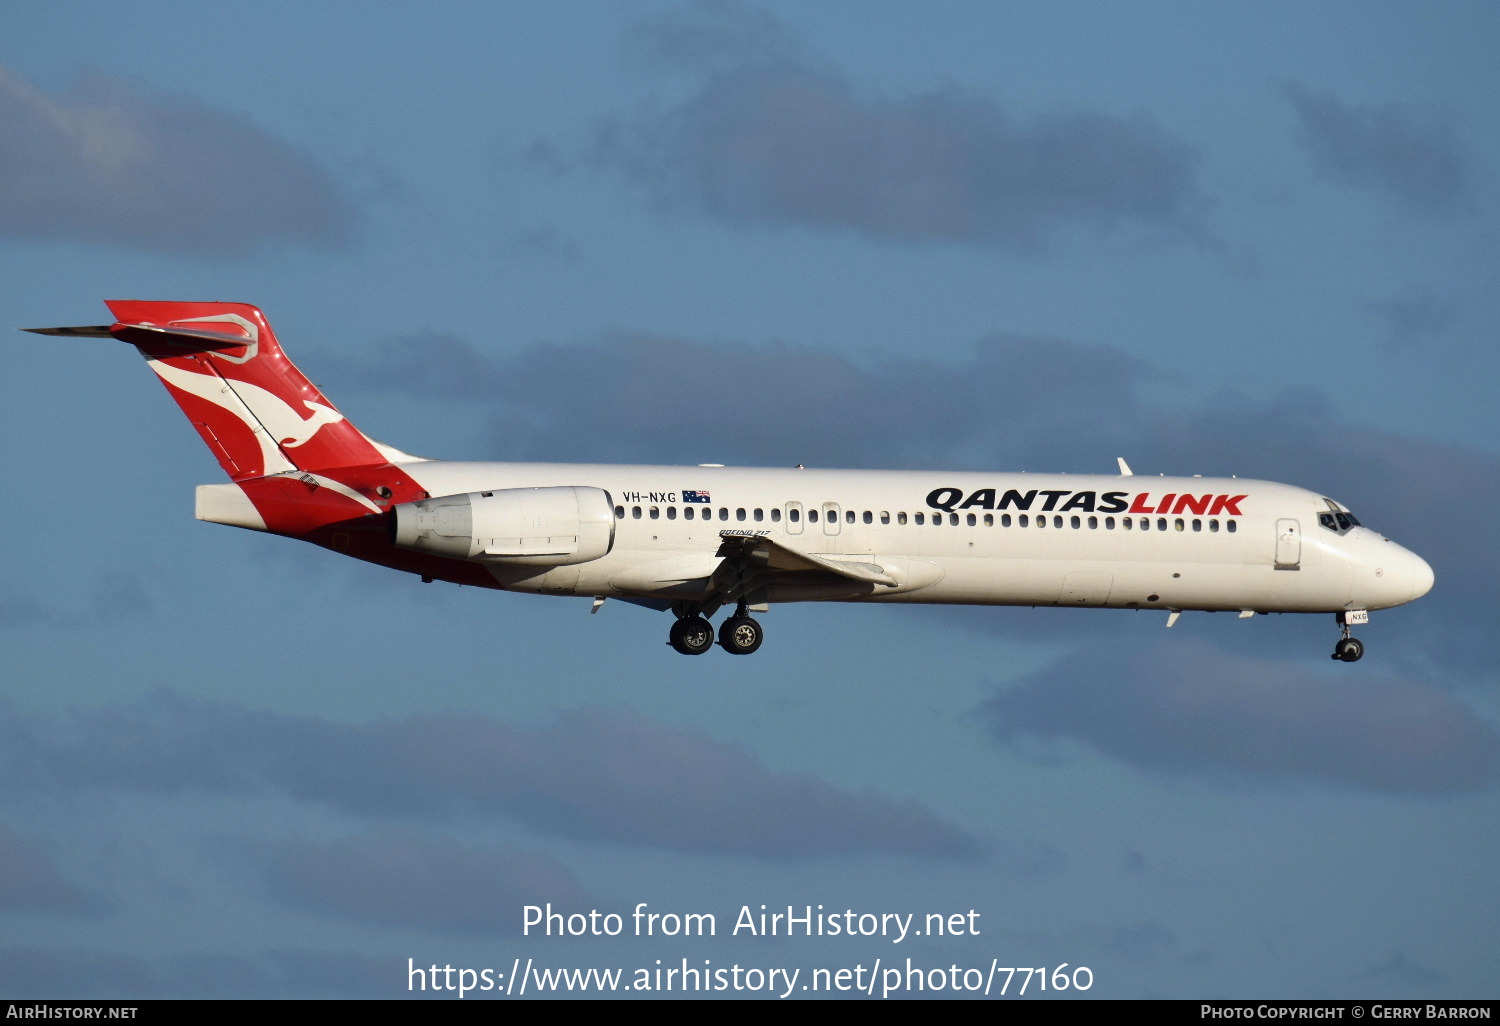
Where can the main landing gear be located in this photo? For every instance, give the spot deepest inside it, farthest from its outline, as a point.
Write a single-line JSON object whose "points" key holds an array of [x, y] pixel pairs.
{"points": [[1349, 648], [693, 634]]}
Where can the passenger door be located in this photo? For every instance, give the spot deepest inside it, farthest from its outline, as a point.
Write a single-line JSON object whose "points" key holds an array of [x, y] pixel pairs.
{"points": [[1288, 545]]}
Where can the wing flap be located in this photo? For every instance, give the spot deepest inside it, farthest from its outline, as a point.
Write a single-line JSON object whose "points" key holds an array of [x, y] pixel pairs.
{"points": [[778, 555]]}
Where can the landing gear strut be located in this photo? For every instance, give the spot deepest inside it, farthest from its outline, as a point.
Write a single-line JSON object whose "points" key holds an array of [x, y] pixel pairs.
{"points": [[1348, 648]]}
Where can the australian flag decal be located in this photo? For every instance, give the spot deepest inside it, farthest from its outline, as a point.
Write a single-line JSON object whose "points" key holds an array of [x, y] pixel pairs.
{"points": [[695, 497]]}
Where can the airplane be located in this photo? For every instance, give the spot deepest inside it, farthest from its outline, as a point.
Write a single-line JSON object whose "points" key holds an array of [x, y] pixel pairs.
{"points": [[693, 540]]}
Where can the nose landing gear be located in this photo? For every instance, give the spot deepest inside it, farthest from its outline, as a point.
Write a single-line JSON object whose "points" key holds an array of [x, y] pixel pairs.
{"points": [[1350, 648]]}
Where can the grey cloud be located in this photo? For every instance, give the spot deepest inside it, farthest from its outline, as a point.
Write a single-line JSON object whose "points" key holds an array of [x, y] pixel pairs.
{"points": [[1399, 975], [711, 37], [28, 973], [781, 145], [594, 775], [112, 162], [400, 878], [1419, 318], [425, 366], [112, 597], [30, 881], [1187, 709], [1381, 146], [32, 972]]}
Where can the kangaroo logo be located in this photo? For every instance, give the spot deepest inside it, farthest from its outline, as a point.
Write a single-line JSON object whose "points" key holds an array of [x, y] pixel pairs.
{"points": [[321, 415], [266, 414]]}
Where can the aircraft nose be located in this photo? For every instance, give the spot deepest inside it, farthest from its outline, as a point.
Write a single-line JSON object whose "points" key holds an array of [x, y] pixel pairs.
{"points": [[1421, 577]]}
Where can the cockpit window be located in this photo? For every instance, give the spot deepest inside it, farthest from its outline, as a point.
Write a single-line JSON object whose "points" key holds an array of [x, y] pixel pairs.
{"points": [[1339, 523]]}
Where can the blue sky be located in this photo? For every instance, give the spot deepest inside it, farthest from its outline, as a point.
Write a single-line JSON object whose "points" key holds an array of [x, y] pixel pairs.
{"points": [[1254, 239]]}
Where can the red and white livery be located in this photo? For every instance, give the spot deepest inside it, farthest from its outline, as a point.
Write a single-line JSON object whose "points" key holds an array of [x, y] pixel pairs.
{"points": [[698, 539]]}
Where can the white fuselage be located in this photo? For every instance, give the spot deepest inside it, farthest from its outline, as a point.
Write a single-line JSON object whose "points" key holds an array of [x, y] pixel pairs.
{"points": [[977, 538]]}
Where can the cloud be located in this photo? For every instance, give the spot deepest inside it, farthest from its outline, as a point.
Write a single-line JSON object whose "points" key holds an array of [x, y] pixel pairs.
{"points": [[1421, 318], [112, 597], [1398, 974], [399, 878], [429, 366], [112, 162], [30, 881], [1379, 146], [1016, 403], [785, 146], [711, 37], [594, 775], [775, 135], [1186, 709], [57, 973]]}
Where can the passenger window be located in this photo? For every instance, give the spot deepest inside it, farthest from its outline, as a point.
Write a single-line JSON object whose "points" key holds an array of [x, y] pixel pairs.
{"points": [[1004, 519], [671, 512], [1109, 523], [849, 517], [619, 512], [973, 520], [869, 517], [1213, 527], [1041, 521], [776, 515], [1076, 522], [635, 512], [1024, 520], [1197, 525], [739, 514], [1178, 524], [900, 518], [919, 519], [1057, 522], [989, 520], [1145, 523], [812, 516], [687, 513], [795, 515], [759, 515], [1161, 523], [1229, 526], [885, 516], [655, 513], [952, 519]]}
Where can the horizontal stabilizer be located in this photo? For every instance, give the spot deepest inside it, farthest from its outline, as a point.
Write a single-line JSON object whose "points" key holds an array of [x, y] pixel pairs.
{"points": [[83, 331], [193, 338]]}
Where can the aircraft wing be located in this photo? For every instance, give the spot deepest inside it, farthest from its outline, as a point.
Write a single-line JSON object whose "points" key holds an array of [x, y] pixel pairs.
{"points": [[776, 554]]}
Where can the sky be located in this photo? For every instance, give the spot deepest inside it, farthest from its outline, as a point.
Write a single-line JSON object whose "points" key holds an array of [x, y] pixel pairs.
{"points": [[1241, 238]]}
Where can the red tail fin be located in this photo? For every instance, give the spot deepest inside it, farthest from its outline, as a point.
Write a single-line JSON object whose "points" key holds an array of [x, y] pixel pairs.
{"points": [[257, 412]]}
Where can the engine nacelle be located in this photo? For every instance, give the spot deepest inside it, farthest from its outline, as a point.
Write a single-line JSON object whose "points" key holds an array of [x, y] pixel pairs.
{"points": [[517, 526]]}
